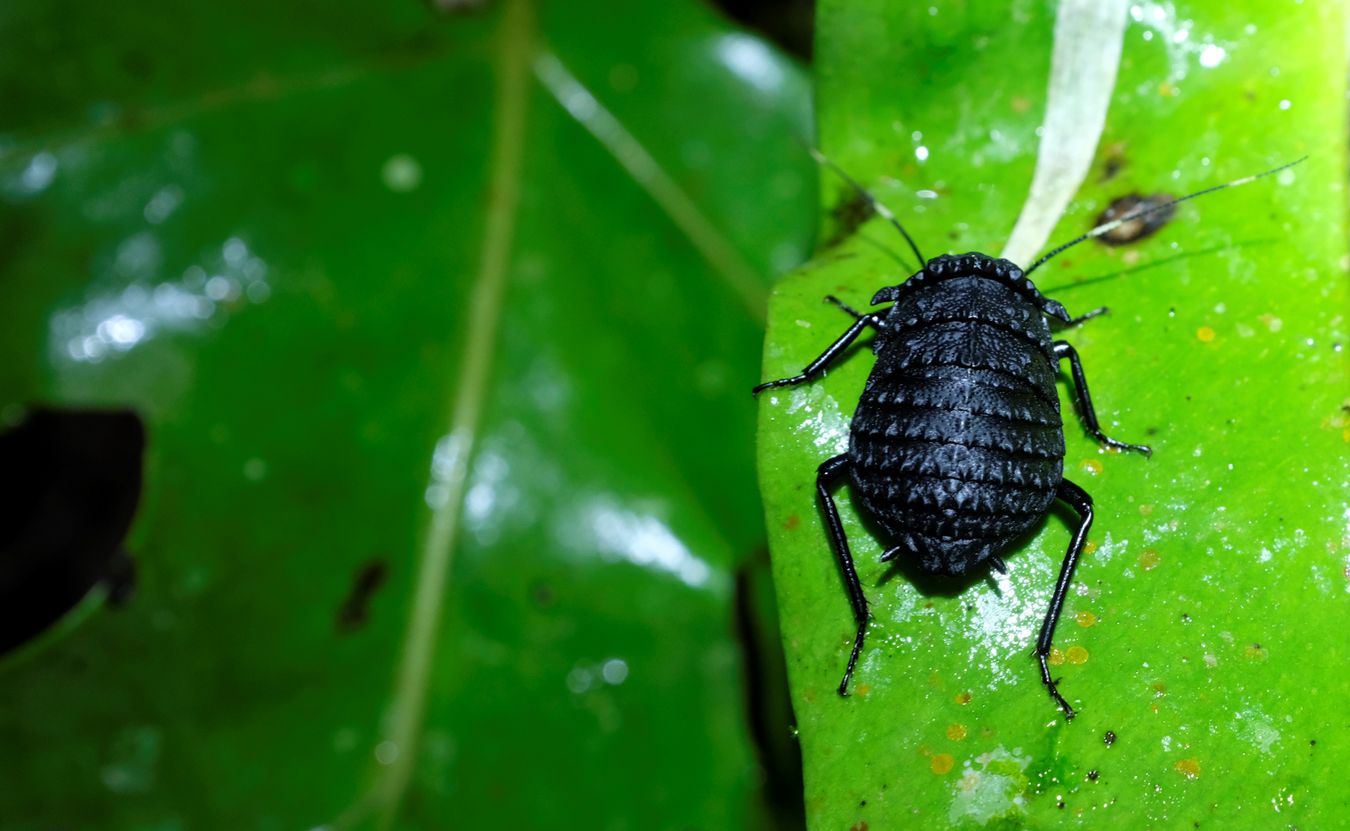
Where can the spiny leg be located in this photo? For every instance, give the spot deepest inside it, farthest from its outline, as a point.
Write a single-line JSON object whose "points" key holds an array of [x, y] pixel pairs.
{"points": [[1081, 501], [818, 365], [828, 472], [1085, 409]]}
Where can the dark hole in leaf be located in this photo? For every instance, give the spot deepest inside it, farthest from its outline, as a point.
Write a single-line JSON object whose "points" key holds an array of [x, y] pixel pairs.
{"points": [[355, 610], [1139, 227], [789, 23], [71, 484]]}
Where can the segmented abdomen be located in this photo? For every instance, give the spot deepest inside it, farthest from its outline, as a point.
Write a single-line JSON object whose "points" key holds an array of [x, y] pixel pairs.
{"points": [[957, 445]]}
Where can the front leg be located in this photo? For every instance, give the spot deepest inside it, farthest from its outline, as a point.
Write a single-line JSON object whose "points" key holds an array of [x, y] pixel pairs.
{"points": [[817, 366], [1085, 410]]}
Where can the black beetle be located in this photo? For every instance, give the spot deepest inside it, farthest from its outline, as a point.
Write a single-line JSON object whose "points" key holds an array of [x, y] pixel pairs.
{"points": [[956, 448]]}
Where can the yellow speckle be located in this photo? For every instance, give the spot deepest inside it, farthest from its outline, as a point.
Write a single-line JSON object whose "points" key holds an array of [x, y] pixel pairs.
{"points": [[862, 690], [1145, 509], [793, 523], [1166, 89], [1085, 619], [1056, 657], [1159, 688], [941, 763], [1076, 655], [956, 732], [1205, 334], [1256, 652], [1092, 466], [1089, 547], [1345, 434], [1130, 257], [1020, 104], [963, 698], [1189, 768], [1149, 559]]}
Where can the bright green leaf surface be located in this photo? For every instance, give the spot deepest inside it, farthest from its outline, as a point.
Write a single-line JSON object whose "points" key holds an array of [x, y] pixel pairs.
{"points": [[262, 226], [1206, 628]]}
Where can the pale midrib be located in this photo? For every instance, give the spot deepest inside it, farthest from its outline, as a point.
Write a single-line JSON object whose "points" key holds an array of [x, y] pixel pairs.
{"points": [[431, 581], [1089, 36], [639, 163]]}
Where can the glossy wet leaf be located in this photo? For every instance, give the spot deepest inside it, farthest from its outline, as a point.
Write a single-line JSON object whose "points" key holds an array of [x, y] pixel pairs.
{"points": [[263, 228], [1205, 630]]}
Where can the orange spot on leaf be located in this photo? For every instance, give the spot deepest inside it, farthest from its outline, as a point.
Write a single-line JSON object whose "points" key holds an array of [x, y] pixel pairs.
{"points": [[1149, 559], [941, 763]]}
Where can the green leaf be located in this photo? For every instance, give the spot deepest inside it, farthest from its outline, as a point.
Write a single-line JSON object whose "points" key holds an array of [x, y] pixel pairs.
{"points": [[1206, 628], [442, 324]]}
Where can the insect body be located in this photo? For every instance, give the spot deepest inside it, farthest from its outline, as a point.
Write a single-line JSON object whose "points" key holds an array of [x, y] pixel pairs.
{"points": [[956, 448]]}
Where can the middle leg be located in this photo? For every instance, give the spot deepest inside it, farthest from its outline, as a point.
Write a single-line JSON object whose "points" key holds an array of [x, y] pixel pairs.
{"points": [[1085, 409]]}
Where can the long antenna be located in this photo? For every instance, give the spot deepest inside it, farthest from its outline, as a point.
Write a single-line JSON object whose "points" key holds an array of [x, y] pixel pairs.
{"points": [[1108, 227], [880, 209]]}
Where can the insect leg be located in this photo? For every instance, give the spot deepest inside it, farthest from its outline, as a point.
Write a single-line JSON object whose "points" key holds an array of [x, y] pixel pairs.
{"points": [[830, 298], [1064, 350], [818, 365], [829, 472], [1081, 501], [1056, 309], [1083, 318]]}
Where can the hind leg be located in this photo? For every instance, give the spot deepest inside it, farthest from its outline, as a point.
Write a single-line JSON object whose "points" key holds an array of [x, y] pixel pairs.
{"points": [[1081, 501], [829, 473]]}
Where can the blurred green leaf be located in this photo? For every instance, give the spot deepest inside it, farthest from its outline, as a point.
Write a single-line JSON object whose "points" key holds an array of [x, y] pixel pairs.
{"points": [[262, 226], [1206, 627]]}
